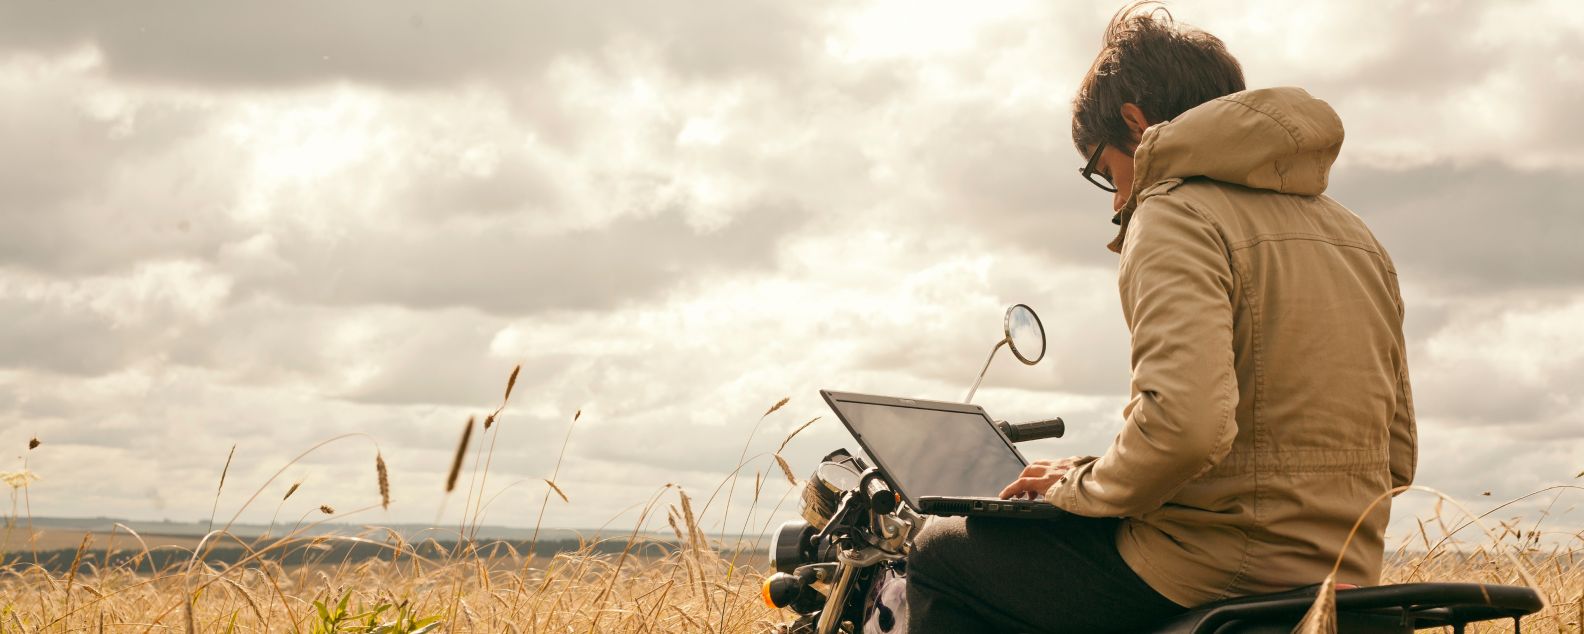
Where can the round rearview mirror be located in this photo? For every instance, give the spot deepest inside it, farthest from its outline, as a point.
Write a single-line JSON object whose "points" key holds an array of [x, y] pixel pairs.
{"points": [[1025, 333]]}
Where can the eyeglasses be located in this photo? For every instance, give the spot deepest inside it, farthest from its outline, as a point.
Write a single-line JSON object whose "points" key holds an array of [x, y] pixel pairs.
{"points": [[1089, 173]]}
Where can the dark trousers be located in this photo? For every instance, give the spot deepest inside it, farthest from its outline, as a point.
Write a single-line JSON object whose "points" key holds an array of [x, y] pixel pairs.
{"points": [[1015, 575]]}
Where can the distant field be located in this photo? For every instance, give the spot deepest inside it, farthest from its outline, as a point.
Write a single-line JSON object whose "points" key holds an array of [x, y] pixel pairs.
{"points": [[69, 539]]}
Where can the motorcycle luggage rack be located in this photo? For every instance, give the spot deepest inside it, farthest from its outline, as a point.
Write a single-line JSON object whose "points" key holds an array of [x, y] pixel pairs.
{"points": [[1396, 609]]}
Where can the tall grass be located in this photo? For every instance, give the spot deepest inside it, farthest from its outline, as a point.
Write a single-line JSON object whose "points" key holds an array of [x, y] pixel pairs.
{"points": [[635, 583], [629, 584]]}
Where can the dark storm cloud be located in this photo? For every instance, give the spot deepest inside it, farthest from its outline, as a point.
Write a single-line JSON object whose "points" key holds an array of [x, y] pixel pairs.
{"points": [[1473, 228], [406, 43]]}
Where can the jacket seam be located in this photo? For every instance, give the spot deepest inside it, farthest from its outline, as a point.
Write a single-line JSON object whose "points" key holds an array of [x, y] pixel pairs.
{"points": [[1284, 237], [1294, 135], [1256, 333], [1413, 458], [1310, 470], [1259, 377], [1227, 410], [1349, 455]]}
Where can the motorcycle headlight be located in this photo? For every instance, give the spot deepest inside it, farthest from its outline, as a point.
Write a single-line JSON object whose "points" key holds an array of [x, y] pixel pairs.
{"points": [[836, 475], [789, 547]]}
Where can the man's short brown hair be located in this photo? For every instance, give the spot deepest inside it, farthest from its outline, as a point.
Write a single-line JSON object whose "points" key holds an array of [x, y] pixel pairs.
{"points": [[1146, 58]]}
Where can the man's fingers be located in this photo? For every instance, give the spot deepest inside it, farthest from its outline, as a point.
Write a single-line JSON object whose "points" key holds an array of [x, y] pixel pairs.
{"points": [[1047, 473], [1047, 466], [1034, 484], [1023, 486], [1018, 487]]}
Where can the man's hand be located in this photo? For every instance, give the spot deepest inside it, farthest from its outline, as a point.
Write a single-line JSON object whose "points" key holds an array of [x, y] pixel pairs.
{"points": [[1040, 476]]}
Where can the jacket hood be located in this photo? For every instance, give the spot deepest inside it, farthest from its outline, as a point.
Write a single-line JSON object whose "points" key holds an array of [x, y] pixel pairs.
{"points": [[1277, 139]]}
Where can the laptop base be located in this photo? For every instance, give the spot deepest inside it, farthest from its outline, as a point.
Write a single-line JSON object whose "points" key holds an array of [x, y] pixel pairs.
{"points": [[988, 507]]}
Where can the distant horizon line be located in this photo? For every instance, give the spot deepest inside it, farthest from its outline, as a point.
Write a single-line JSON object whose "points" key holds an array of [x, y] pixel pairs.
{"points": [[74, 522]]}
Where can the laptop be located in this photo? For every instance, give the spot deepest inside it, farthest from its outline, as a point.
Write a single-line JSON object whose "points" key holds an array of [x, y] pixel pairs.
{"points": [[942, 458]]}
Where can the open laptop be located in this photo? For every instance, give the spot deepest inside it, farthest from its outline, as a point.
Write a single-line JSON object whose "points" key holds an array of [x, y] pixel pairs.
{"points": [[943, 458]]}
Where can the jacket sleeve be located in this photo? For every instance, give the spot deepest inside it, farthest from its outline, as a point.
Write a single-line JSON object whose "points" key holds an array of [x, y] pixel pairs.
{"points": [[1176, 286], [1403, 450]]}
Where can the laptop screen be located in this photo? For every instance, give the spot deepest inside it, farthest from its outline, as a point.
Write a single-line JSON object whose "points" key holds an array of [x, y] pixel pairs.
{"points": [[929, 451]]}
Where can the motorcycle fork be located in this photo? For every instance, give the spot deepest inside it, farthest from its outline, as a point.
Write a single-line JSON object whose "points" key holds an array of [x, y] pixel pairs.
{"points": [[836, 603]]}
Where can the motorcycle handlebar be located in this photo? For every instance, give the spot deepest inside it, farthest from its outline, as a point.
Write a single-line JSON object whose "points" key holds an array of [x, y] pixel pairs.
{"points": [[1035, 430]]}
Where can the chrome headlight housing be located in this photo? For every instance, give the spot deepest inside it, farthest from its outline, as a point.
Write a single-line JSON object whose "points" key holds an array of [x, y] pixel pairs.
{"points": [[790, 547]]}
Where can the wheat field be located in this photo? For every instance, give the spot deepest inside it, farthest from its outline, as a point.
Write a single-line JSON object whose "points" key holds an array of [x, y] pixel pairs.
{"points": [[687, 581]]}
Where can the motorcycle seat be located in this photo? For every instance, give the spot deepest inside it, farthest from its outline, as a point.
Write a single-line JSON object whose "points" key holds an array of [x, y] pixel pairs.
{"points": [[1394, 609]]}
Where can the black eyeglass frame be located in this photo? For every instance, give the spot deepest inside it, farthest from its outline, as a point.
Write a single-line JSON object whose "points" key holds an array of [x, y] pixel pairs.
{"points": [[1089, 173]]}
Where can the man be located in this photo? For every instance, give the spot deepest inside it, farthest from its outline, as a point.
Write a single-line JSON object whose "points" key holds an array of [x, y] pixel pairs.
{"points": [[1270, 398]]}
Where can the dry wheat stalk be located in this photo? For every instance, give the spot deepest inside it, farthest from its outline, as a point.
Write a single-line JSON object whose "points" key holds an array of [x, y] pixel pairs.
{"points": [[671, 516], [785, 469], [221, 487], [383, 477], [558, 490], [1321, 617], [694, 535], [461, 452], [794, 433], [511, 382]]}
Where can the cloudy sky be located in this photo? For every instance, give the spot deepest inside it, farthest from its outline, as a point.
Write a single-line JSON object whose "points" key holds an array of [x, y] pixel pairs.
{"points": [[268, 224]]}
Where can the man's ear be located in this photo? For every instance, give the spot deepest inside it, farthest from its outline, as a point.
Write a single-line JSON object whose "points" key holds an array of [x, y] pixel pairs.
{"points": [[1136, 123]]}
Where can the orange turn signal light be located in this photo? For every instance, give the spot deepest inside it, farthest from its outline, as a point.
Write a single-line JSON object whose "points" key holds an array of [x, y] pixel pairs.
{"points": [[781, 590]]}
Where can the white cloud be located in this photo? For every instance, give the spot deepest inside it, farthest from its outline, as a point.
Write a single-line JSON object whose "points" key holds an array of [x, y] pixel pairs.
{"points": [[1509, 364], [1423, 82]]}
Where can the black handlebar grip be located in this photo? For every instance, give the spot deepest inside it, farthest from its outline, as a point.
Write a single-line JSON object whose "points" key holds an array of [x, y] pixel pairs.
{"points": [[1036, 430]]}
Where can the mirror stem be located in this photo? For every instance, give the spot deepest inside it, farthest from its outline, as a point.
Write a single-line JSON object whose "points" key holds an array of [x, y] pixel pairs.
{"points": [[977, 381]]}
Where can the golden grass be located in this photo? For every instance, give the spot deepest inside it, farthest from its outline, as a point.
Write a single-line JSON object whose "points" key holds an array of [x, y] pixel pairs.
{"points": [[1551, 561], [648, 587], [479, 590], [632, 584], [1559, 574]]}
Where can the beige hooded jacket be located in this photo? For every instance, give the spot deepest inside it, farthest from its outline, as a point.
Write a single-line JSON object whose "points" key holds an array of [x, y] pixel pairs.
{"points": [[1270, 381]]}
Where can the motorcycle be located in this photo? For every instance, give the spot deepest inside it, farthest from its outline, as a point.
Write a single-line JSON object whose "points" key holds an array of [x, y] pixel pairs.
{"points": [[843, 567]]}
